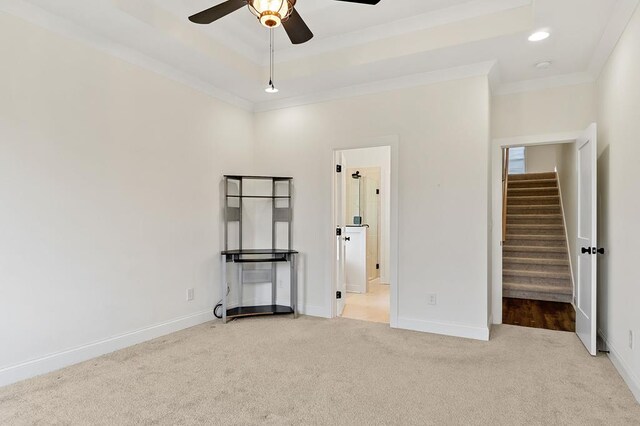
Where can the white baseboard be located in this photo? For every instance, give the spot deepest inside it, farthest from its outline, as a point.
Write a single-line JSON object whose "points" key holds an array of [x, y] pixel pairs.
{"points": [[625, 371], [314, 311], [445, 328], [78, 354]]}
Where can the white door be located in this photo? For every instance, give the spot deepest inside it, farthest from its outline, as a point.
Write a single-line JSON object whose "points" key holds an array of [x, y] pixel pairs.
{"points": [[340, 203], [586, 290]]}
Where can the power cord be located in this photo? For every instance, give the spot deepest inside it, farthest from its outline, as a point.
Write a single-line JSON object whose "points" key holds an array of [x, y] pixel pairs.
{"points": [[219, 306]]}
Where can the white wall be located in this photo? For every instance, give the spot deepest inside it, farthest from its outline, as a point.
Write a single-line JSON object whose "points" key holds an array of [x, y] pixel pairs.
{"points": [[379, 157], [556, 110], [442, 209], [542, 158], [568, 177], [619, 203], [109, 181]]}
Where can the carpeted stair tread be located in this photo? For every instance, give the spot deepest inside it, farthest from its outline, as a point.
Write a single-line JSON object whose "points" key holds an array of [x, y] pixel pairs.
{"points": [[539, 288], [533, 176], [536, 274], [535, 258], [535, 261], [533, 183], [534, 200], [550, 190], [549, 237], [536, 249]]}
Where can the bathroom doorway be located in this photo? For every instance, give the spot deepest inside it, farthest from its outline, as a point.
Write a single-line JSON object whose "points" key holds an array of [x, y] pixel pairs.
{"points": [[363, 210]]}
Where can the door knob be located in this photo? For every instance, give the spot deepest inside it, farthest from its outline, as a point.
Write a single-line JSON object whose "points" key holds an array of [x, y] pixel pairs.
{"points": [[600, 251], [586, 250], [347, 238]]}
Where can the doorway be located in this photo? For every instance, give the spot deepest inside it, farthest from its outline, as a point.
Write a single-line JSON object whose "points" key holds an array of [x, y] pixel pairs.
{"points": [[539, 207], [362, 213], [575, 211]]}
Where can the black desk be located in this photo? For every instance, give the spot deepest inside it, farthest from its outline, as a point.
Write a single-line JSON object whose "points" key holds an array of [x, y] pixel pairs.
{"points": [[241, 257]]}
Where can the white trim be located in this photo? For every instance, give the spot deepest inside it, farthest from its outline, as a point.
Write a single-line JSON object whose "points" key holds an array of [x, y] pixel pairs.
{"points": [[543, 83], [58, 360], [404, 82], [393, 142], [624, 370], [546, 139], [58, 25], [622, 14], [496, 211], [314, 311], [445, 328]]}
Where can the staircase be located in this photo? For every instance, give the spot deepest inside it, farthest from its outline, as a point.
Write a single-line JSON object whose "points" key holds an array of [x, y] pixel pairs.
{"points": [[535, 258]]}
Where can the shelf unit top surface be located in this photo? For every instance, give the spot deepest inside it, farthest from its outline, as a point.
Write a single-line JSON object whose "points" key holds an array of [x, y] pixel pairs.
{"points": [[239, 177], [258, 251]]}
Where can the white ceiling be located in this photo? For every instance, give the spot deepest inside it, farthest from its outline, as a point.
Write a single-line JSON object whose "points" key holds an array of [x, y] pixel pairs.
{"points": [[356, 47]]}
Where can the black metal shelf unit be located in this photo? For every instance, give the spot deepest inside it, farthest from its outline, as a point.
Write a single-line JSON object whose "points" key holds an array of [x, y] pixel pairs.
{"points": [[281, 212]]}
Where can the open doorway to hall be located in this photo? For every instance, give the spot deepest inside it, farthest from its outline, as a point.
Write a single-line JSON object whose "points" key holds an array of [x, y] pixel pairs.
{"points": [[362, 212], [540, 188]]}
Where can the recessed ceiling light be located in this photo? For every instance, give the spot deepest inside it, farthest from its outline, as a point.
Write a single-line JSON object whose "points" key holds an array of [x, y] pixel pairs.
{"points": [[539, 35], [544, 65]]}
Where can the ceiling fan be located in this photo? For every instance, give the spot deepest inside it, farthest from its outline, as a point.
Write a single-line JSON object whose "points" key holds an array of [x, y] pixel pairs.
{"points": [[270, 13]]}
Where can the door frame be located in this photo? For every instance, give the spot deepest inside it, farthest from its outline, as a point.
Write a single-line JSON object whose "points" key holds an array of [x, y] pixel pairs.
{"points": [[495, 287], [393, 143]]}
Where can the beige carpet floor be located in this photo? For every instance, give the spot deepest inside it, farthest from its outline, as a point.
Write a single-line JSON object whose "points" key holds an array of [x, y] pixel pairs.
{"points": [[317, 371]]}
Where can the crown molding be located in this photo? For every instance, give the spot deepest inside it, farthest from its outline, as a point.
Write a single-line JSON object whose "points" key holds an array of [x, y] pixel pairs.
{"points": [[58, 25], [413, 80], [616, 26]]}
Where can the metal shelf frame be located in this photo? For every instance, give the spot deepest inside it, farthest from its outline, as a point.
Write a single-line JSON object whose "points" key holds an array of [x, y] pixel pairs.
{"points": [[273, 255]]}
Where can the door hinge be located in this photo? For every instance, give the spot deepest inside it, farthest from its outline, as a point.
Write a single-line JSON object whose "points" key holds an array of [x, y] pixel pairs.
{"points": [[377, 266], [338, 295], [338, 232], [377, 192], [338, 168]]}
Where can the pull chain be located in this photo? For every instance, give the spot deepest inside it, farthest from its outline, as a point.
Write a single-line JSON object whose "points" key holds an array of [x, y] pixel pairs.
{"points": [[271, 88]]}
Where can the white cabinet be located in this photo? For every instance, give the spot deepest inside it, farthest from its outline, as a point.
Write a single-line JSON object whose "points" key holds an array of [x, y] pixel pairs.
{"points": [[356, 259]]}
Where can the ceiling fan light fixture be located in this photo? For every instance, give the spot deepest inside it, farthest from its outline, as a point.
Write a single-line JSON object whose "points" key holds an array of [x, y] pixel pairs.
{"points": [[271, 13]]}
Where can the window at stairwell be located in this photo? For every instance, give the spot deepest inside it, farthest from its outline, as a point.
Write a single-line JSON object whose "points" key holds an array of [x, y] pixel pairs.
{"points": [[516, 161]]}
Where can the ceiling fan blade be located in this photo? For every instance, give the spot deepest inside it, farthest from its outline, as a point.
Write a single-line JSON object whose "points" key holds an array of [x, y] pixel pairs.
{"points": [[371, 2], [296, 29], [216, 12]]}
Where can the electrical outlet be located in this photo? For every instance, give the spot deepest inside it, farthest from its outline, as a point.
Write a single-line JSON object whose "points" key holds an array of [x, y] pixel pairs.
{"points": [[189, 294], [630, 339], [432, 299]]}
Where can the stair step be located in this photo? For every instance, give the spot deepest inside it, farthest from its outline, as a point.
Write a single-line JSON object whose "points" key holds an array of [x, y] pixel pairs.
{"points": [[538, 183], [534, 219], [533, 176], [538, 252], [533, 200], [532, 191], [536, 274], [533, 264], [540, 288], [533, 209], [535, 261], [534, 229], [537, 278], [535, 295], [536, 240]]}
